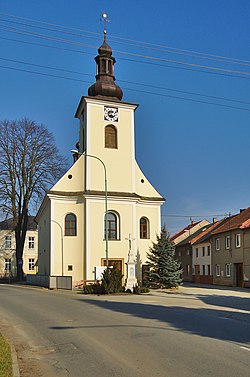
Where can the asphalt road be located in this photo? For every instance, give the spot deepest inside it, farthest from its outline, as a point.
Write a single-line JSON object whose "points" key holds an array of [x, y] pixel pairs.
{"points": [[194, 332]]}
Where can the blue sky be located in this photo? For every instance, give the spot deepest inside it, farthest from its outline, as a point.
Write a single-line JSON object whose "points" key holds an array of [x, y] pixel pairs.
{"points": [[193, 122]]}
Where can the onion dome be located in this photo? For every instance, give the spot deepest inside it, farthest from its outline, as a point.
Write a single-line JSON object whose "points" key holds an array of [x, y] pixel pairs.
{"points": [[105, 86]]}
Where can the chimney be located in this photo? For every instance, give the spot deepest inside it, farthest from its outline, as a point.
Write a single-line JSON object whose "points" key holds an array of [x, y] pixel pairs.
{"points": [[215, 220], [242, 209]]}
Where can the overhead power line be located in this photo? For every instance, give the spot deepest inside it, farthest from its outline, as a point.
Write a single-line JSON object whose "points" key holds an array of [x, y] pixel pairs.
{"points": [[131, 42], [142, 56], [126, 59], [127, 82], [132, 89]]}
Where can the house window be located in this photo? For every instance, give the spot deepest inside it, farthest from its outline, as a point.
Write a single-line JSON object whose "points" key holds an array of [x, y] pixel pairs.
{"points": [[188, 269], [112, 220], [208, 269], [228, 269], [110, 136], [227, 242], [217, 244], [179, 253], [208, 251], [188, 252], [70, 224], [70, 267], [203, 251], [7, 264], [217, 270], [197, 252], [203, 270], [7, 242], [31, 242], [31, 264], [144, 228], [237, 240]]}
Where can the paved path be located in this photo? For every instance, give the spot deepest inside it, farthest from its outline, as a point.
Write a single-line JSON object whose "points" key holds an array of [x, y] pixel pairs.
{"points": [[195, 332]]}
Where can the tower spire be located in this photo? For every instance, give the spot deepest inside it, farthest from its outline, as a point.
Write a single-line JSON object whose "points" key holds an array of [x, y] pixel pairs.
{"points": [[105, 86]]}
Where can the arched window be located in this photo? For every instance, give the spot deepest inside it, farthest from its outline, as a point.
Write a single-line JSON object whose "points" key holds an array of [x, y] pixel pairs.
{"points": [[113, 224], [144, 228], [110, 136], [70, 224]]}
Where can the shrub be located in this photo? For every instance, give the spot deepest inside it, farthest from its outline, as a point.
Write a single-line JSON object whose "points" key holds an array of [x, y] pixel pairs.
{"points": [[87, 289], [139, 290], [111, 280]]}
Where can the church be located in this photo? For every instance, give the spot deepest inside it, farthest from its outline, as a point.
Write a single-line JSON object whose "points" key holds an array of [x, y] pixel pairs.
{"points": [[103, 211]]}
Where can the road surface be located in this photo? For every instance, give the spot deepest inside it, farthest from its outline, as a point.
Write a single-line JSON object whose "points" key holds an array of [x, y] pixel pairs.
{"points": [[193, 332]]}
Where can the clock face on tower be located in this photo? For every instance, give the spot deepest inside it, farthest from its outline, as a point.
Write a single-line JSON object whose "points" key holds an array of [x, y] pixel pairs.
{"points": [[111, 114]]}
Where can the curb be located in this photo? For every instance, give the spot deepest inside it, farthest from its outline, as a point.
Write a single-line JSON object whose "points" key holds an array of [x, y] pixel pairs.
{"points": [[15, 366], [14, 360]]}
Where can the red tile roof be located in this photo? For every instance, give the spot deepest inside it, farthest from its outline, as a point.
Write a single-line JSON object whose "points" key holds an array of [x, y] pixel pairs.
{"points": [[246, 224], [184, 230], [234, 222], [206, 231]]}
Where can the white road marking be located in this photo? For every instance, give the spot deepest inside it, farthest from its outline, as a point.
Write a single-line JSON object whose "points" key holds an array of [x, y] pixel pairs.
{"points": [[245, 348]]}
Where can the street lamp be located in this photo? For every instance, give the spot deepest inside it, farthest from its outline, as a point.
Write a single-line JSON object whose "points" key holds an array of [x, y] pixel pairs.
{"points": [[75, 152], [54, 221]]}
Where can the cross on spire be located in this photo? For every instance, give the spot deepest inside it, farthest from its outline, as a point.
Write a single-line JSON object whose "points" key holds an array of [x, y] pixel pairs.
{"points": [[104, 18]]}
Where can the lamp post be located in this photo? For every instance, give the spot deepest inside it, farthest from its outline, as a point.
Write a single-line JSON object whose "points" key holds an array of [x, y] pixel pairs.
{"points": [[74, 152], [53, 221]]}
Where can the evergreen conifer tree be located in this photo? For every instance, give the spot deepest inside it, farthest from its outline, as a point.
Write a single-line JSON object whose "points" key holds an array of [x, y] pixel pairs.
{"points": [[165, 270]]}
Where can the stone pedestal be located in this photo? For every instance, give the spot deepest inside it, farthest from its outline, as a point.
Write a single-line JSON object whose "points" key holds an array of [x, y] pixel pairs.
{"points": [[131, 281]]}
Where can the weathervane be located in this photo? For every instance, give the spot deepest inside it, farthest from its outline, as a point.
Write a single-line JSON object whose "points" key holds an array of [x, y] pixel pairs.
{"points": [[104, 19]]}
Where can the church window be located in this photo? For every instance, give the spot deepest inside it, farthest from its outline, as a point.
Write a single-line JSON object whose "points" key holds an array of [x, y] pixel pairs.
{"points": [[70, 224], [110, 67], [112, 220], [144, 228], [110, 136]]}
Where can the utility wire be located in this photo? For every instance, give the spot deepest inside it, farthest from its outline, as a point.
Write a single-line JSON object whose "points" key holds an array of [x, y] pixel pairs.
{"points": [[141, 91], [127, 82], [129, 60], [196, 216], [147, 57], [136, 43]]}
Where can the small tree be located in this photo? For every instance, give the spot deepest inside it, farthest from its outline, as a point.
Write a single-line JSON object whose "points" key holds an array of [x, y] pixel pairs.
{"points": [[111, 280], [165, 270], [29, 164]]}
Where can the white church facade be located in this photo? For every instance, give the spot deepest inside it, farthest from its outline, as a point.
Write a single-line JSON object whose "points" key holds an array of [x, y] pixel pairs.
{"points": [[103, 206]]}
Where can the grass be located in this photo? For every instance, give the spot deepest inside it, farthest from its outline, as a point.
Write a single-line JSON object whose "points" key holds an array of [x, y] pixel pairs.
{"points": [[5, 358]]}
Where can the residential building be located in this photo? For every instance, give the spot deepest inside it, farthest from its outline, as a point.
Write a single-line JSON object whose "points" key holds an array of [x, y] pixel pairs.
{"points": [[183, 246], [230, 244], [8, 248], [76, 238], [202, 255]]}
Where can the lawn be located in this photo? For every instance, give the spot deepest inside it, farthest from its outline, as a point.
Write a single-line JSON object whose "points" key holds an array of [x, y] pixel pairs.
{"points": [[5, 358]]}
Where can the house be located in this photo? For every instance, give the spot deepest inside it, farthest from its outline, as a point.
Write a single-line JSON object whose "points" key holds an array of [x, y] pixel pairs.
{"points": [[104, 207], [8, 248], [183, 246], [202, 255], [230, 245], [187, 231]]}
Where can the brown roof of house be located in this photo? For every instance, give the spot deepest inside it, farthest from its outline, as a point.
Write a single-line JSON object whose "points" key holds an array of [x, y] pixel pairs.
{"points": [[9, 225], [234, 222], [184, 230], [206, 232], [190, 238]]}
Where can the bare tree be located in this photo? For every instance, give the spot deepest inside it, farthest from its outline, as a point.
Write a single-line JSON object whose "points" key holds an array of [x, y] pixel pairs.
{"points": [[29, 164]]}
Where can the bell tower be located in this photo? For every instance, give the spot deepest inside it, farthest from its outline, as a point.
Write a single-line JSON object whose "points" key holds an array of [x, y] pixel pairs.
{"points": [[105, 86]]}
